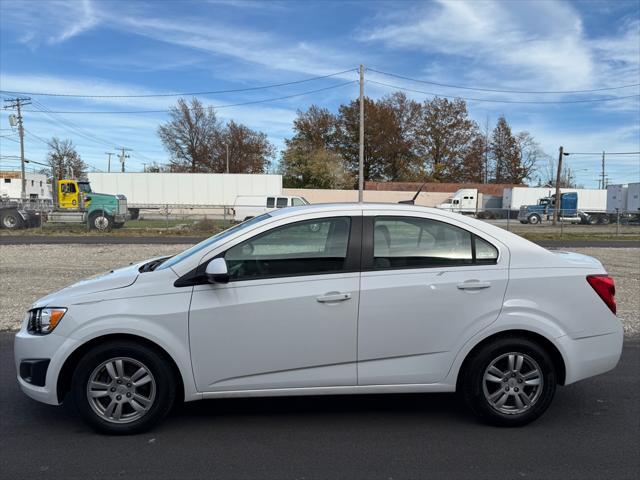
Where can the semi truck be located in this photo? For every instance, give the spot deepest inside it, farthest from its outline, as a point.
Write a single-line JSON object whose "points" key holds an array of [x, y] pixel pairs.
{"points": [[471, 201], [146, 191], [73, 202], [581, 206]]}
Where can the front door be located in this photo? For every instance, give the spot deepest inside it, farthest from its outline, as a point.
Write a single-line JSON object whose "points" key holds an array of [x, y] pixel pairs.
{"points": [[426, 288], [288, 316]]}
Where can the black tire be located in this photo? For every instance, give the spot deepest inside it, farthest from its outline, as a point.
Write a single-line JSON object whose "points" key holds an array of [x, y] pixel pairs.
{"points": [[11, 220], [472, 383], [524, 222], [534, 219], [163, 378], [604, 220], [100, 221]]}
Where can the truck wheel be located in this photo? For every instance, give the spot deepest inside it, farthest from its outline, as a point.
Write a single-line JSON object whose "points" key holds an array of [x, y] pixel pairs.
{"points": [[100, 221], [123, 387], [534, 219], [12, 220], [604, 220], [134, 213], [509, 382], [593, 219]]}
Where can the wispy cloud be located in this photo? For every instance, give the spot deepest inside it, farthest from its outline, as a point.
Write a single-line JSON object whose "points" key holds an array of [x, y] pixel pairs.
{"points": [[50, 22]]}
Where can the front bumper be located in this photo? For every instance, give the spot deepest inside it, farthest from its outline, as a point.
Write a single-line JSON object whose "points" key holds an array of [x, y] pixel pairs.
{"points": [[120, 217], [52, 347]]}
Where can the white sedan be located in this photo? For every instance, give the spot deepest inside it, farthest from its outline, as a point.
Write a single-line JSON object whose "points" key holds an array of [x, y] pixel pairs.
{"points": [[327, 299]]}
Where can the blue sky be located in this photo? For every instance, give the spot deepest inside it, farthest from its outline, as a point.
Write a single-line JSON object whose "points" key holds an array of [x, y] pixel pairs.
{"points": [[108, 47]]}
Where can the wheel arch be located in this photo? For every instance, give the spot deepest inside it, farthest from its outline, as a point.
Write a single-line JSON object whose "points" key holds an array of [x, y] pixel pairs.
{"points": [[66, 372], [544, 342]]}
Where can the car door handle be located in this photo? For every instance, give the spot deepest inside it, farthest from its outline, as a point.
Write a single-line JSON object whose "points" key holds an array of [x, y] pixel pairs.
{"points": [[473, 285], [334, 297]]}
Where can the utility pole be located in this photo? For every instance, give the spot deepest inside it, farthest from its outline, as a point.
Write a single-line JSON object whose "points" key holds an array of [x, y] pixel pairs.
{"points": [[18, 103], [361, 154], [124, 156], [602, 174], [108, 161], [556, 210], [486, 150], [227, 145]]}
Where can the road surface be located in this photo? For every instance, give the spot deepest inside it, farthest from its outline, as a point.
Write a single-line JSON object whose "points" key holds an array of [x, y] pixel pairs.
{"points": [[590, 432]]}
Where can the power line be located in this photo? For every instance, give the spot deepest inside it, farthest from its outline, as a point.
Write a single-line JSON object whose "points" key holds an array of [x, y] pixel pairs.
{"points": [[253, 102], [503, 101], [74, 128], [608, 153], [481, 89], [212, 92]]}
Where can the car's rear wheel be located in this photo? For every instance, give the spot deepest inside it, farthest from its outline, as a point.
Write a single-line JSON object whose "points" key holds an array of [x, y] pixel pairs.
{"points": [[509, 381], [123, 388]]}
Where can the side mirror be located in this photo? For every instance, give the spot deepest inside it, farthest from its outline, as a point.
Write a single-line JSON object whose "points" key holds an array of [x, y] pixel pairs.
{"points": [[216, 271]]}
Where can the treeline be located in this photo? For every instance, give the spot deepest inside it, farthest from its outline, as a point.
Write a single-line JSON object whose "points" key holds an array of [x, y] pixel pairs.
{"points": [[405, 140]]}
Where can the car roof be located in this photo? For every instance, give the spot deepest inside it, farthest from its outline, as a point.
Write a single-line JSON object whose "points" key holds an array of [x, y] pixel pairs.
{"points": [[323, 207]]}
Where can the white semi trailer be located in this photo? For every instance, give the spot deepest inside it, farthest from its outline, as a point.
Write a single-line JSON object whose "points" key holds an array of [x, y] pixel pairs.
{"points": [[184, 190], [624, 200], [589, 200]]}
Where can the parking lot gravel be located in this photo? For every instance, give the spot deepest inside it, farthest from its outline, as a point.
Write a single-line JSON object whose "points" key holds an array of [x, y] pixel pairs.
{"points": [[28, 272]]}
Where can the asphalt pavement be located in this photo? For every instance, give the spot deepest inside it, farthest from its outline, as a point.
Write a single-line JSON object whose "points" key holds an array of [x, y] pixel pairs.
{"points": [[177, 240], [592, 431]]}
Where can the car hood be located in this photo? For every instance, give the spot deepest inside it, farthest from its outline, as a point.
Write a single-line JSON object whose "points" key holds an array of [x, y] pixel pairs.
{"points": [[112, 280]]}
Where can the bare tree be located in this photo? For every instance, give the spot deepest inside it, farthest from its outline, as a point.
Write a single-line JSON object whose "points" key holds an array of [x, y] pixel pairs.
{"points": [[189, 135], [64, 161], [530, 154]]}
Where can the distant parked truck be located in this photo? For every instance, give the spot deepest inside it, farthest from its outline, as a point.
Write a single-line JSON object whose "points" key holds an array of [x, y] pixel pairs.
{"points": [[184, 190], [74, 203], [581, 206], [623, 201], [249, 206], [465, 200]]}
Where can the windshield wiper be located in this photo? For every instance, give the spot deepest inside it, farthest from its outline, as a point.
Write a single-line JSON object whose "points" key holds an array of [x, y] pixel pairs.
{"points": [[151, 266]]}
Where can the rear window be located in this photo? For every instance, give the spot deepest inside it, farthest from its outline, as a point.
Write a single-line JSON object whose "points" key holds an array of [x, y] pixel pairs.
{"points": [[271, 202], [282, 202]]}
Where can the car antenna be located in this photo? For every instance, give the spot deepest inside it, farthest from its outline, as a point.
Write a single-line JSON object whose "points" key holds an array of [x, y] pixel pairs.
{"points": [[413, 200]]}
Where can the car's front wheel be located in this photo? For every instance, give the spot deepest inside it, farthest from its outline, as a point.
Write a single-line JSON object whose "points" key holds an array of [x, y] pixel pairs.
{"points": [[509, 381], [123, 387]]}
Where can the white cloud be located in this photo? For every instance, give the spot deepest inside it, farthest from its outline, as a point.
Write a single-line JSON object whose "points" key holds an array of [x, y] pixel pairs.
{"points": [[49, 22], [538, 45]]}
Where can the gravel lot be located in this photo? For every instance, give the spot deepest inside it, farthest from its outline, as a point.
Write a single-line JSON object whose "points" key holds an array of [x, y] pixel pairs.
{"points": [[28, 272]]}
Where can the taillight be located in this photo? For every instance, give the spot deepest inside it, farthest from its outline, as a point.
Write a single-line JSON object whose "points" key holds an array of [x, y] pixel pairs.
{"points": [[605, 287]]}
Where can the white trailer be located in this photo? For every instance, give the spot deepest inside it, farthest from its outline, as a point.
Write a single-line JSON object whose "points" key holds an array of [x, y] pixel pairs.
{"points": [[17, 212], [623, 201], [36, 186], [183, 190], [589, 200], [633, 198]]}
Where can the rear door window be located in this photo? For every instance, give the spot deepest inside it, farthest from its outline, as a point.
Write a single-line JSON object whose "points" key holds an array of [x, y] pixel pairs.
{"points": [[271, 202], [282, 202]]}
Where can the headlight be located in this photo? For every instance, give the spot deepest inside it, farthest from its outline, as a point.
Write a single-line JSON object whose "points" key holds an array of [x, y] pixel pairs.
{"points": [[43, 320]]}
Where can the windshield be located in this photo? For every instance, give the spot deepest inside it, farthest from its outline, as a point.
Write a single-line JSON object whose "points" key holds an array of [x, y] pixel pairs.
{"points": [[211, 240], [84, 187]]}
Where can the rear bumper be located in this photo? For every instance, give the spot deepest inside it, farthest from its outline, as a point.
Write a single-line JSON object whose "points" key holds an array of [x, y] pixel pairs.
{"points": [[590, 356]]}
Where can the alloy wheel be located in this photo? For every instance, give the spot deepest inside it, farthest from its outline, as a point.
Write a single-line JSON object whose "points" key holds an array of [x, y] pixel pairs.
{"points": [[121, 390], [512, 383]]}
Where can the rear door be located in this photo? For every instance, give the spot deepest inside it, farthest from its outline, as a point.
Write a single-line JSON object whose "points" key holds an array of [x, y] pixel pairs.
{"points": [[427, 286], [288, 317]]}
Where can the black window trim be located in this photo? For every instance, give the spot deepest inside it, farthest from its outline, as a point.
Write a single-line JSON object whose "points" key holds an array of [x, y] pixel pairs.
{"points": [[367, 261], [352, 262]]}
